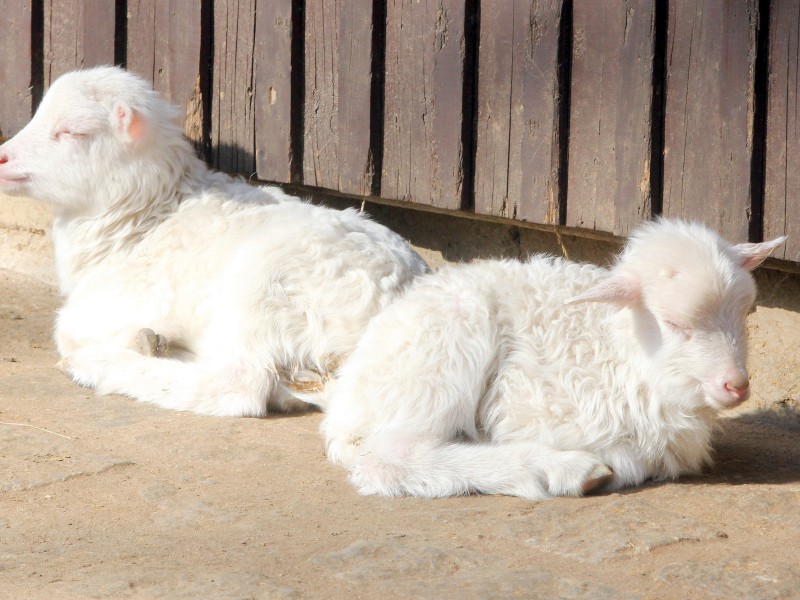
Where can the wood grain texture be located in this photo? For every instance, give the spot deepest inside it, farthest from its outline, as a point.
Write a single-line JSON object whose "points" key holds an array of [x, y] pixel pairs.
{"points": [[273, 80], [163, 45], [77, 34], [517, 148], [709, 101], [610, 115], [709, 113], [15, 67], [422, 151], [233, 110], [338, 54], [782, 177]]}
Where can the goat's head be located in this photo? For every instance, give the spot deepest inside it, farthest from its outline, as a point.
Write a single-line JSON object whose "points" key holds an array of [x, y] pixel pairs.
{"points": [[93, 135], [689, 292]]}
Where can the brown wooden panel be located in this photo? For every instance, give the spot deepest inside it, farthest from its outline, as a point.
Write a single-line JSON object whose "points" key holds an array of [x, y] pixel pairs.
{"points": [[15, 66], [356, 168], [782, 189], [709, 113], [273, 79], [610, 115], [164, 46], [517, 153], [320, 121], [77, 34], [422, 153], [338, 54], [233, 114]]}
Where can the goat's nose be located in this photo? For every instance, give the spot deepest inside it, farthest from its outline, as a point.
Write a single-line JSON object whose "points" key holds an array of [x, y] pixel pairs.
{"points": [[738, 389], [3, 159]]}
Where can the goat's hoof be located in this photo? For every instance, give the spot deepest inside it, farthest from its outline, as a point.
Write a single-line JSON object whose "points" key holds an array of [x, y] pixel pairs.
{"points": [[596, 479], [150, 343]]}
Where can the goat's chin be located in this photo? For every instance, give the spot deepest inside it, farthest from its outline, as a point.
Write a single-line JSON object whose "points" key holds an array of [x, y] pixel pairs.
{"points": [[14, 187]]}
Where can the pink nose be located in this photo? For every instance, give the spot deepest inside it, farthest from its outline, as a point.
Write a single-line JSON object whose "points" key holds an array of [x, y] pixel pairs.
{"points": [[738, 391], [3, 159]]}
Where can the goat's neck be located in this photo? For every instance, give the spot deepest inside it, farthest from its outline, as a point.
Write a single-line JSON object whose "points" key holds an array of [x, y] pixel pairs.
{"points": [[118, 224], [668, 416]]}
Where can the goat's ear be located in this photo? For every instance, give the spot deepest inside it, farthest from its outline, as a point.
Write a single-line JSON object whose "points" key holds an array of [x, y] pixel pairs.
{"points": [[620, 287], [129, 124], [752, 255]]}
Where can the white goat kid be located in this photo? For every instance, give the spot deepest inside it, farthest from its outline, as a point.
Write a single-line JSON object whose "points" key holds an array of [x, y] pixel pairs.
{"points": [[259, 293], [548, 377]]}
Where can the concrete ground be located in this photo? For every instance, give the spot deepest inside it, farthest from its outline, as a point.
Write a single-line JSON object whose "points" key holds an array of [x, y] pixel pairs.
{"points": [[103, 497]]}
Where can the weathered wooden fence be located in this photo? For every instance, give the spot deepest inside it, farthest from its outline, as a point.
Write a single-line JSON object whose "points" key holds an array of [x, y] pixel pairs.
{"points": [[582, 113]]}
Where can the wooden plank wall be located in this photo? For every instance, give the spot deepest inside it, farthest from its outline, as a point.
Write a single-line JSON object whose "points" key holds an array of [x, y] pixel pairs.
{"points": [[163, 44], [16, 100], [273, 84], [422, 154], [336, 132], [518, 161], [77, 33], [610, 115], [709, 113], [553, 112], [781, 197]]}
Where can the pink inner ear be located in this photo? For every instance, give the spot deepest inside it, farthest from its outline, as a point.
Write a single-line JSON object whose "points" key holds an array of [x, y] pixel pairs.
{"points": [[130, 123], [753, 255], [136, 128]]}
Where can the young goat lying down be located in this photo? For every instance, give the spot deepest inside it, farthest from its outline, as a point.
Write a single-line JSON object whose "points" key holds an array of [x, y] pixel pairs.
{"points": [[548, 377], [260, 294]]}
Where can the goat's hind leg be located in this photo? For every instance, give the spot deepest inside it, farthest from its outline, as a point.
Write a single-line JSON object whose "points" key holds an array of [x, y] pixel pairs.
{"points": [[229, 388], [398, 465], [149, 343]]}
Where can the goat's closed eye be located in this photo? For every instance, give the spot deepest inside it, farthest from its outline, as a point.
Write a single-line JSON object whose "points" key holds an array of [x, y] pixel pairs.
{"points": [[678, 327], [69, 134]]}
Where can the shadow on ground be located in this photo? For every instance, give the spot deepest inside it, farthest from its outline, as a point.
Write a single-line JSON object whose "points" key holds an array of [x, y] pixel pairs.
{"points": [[761, 447]]}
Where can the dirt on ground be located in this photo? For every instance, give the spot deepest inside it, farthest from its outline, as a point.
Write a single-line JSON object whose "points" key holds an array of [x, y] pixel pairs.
{"points": [[104, 497]]}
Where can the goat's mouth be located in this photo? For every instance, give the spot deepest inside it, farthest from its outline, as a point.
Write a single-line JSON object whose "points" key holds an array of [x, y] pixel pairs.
{"points": [[10, 183], [725, 399]]}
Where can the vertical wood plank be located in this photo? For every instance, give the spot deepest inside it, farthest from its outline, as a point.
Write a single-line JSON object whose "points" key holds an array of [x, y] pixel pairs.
{"points": [[422, 153], [163, 46], [354, 78], [320, 113], [338, 40], [610, 115], [782, 185], [273, 83], [709, 113], [517, 152], [15, 66], [77, 34], [233, 111]]}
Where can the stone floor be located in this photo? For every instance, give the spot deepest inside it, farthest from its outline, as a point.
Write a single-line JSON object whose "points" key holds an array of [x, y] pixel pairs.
{"points": [[104, 497]]}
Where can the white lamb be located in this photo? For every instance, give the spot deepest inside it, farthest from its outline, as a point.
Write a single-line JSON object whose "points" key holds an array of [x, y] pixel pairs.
{"points": [[548, 377], [259, 295]]}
